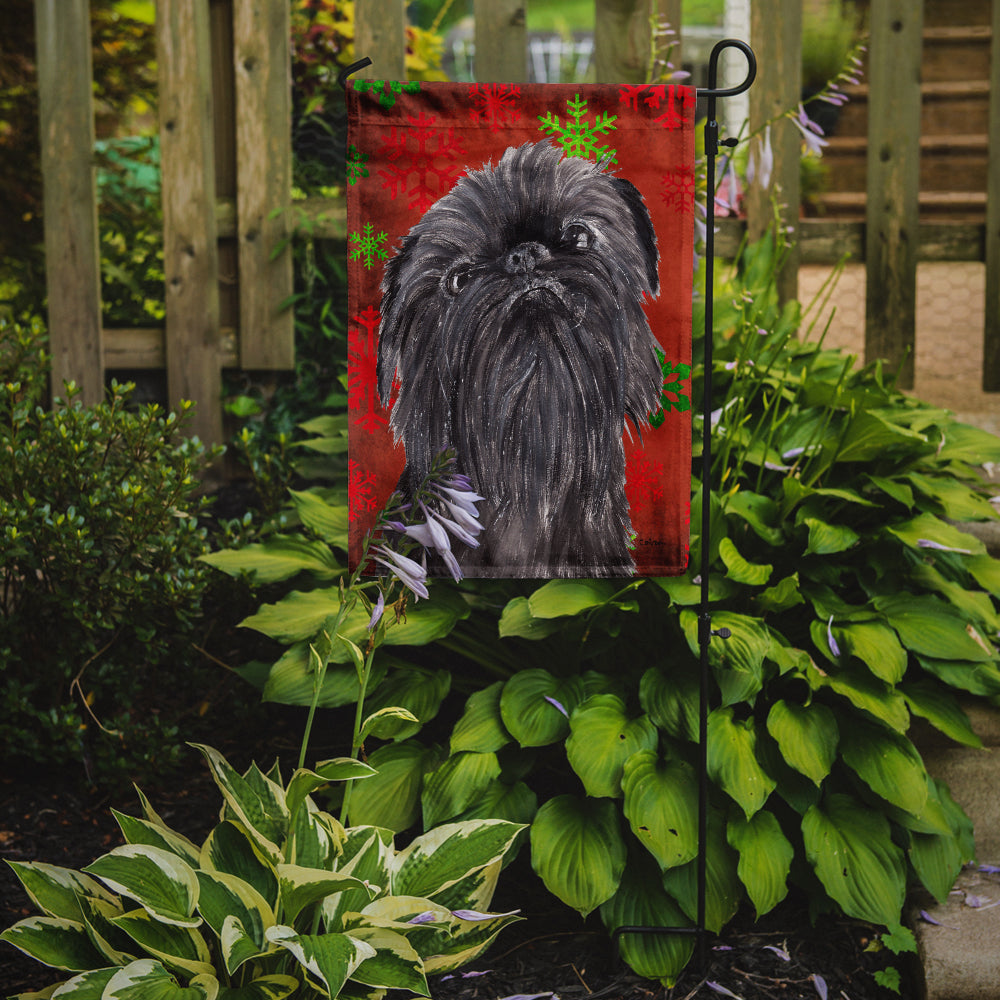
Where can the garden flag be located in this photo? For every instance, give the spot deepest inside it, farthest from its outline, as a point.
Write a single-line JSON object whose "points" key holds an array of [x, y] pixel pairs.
{"points": [[520, 263]]}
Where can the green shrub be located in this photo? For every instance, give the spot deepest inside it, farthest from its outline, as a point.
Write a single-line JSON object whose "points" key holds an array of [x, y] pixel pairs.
{"points": [[99, 542], [280, 899]]}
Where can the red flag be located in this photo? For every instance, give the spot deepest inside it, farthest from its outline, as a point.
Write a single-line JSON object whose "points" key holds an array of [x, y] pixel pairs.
{"points": [[520, 261]]}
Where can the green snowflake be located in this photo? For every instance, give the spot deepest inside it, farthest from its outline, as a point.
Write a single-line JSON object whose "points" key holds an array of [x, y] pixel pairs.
{"points": [[368, 246], [673, 375], [387, 90], [356, 161], [578, 137]]}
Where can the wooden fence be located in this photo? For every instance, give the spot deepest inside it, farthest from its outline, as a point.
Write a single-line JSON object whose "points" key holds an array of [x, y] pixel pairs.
{"points": [[226, 160]]}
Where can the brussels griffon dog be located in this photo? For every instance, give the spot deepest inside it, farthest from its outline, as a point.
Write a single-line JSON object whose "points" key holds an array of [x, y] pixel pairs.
{"points": [[512, 320]]}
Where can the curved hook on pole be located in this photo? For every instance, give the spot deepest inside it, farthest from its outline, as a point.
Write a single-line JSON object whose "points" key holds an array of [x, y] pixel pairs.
{"points": [[353, 68], [713, 90]]}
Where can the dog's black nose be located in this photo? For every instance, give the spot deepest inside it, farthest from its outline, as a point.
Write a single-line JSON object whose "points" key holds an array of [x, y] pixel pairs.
{"points": [[523, 258]]}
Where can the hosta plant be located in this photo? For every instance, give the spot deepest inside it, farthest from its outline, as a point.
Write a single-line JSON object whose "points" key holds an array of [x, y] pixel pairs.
{"points": [[279, 900]]}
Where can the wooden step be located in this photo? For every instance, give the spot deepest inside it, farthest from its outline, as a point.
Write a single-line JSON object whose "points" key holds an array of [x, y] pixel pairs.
{"points": [[940, 13], [957, 206], [956, 53]]}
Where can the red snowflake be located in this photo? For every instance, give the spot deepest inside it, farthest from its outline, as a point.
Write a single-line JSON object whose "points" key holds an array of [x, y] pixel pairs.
{"points": [[425, 161], [493, 104], [673, 99], [362, 382], [677, 188], [644, 481], [360, 491]]}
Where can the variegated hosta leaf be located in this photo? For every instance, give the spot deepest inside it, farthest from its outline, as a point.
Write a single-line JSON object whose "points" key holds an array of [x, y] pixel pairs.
{"points": [[602, 737], [274, 987], [225, 897], [732, 760], [230, 849], [300, 887], [456, 784], [315, 838], [54, 941], [475, 891], [661, 799], [86, 986], [765, 858], [642, 902], [367, 853], [466, 941], [851, 849], [158, 880], [141, 831], [116, 946], [807, 736], [177, 947], [441, 857], [304, 782], [328, 959], [147, 979], [56, 891], [578, 851], [481, 727], [395, 964]]}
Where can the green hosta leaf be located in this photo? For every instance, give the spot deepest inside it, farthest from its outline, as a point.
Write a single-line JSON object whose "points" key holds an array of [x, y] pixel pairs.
{"points": [[279, 558], [327, 520], [391, 798], [528, 710], [965, 443], [141, 831], [732, 760], [387, 723], [850, 847], [738, 661], [481, 728], [578, 851], [147, 979], [976, 678], [783, 595], [758, 511], [928, 528], [159, 881], [864, 691], [517, 620], [456, 784], [888, 763], [330, 959], [893, 488], [275, 987], [957, 501], [395, 964], [765, 858], [559, 598], [54, 941], [56, 891], [292, 680], [671, 699], [941, 709], [807, 736], [641, 901], [230, 849], [301, 887], [516, 803], [986, 571], [602, 738], [869, 436], [738, 569], [876, 646], [827, 539], [975, 605], [438, 859], [226, 898], [723, 889], [937, 859], [661, 799], [932, 628], [415, 689], [180, 948], [684, 593]]}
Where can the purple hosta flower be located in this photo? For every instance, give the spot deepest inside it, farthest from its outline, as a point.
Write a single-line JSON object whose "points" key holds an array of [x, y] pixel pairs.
{"points": [[475, 915], [820, 984], [989, 869], [760, 166], [427, 917], [831, 642], [377, 611], [719, 988], [410, 573], [727, 198], [927, 543], [782, 953], [812, 134], [558, 705]]}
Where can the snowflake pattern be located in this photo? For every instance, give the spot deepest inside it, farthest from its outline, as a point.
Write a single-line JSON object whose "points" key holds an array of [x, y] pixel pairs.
{"points": [[644, 479], [360, 491], [674, 100], [493, 105], [677, 188], [368, 248], [578, 137], [356, 161], [672, 395], [386, 91], [424, 161], [362, 378]]}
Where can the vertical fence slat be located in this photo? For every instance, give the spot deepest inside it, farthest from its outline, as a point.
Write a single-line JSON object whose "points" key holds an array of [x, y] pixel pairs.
{"points": [[501, 41], [621, 40], [190, 253], [893, 183], [776, 35], [261, 57], [380, 34], [72, 257], [991, 332]]}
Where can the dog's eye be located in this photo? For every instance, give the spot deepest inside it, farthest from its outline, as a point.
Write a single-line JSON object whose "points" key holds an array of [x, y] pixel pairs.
{"points": [[577, 236], [457, 279]]}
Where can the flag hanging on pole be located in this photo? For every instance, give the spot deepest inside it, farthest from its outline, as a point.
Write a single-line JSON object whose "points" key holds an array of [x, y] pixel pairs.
{"points": [[520, 266]]}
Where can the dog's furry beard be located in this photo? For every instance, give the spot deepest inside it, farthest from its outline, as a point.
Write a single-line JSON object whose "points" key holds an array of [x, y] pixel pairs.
{"points": [[512, 319]]}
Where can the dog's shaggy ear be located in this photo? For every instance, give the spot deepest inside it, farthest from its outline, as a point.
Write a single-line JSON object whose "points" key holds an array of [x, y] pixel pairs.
{"points": [[392, 331], [643, 224]]}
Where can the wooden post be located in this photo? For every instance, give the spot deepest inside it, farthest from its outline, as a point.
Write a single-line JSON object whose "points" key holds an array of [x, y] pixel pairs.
{"points": [[501, 41], [190, 254], [622, 40], [668, 12], [262, 61], [991, 333], [72, 256], [776, 35], [380, 34], [893, 183]]}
